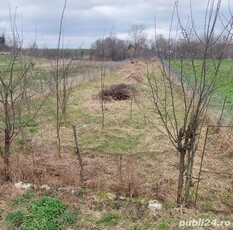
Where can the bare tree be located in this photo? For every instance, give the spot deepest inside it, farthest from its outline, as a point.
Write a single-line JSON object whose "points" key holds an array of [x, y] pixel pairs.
{"points": [[61, 71], [137, 38], [194, 81], [17, 86], [110, 48], [78, 152]]}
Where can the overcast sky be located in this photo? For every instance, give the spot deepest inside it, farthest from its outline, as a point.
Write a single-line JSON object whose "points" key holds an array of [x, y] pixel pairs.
{"points": [[87, 20]]}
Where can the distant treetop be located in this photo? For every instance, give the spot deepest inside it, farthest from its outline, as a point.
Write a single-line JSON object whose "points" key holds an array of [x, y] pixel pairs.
{"points": [[2, 39]]}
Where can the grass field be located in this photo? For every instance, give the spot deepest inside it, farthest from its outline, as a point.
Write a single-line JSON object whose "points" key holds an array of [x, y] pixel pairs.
{"points": [[129, 158], [224, 85]]}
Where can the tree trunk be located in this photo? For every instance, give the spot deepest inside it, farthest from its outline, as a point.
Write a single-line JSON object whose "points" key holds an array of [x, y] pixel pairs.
{"points": [[189, 171], [6, 160], [79, 156], [188, 180], [181, 178]]}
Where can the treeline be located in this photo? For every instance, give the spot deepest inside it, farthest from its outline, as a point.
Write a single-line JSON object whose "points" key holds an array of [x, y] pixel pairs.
{"points": [[136, 45], [63, 53], [115, 49], [192, 48]]}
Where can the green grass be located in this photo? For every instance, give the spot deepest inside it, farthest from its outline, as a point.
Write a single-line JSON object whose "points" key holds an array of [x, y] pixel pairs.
{"points": [[4, 57], [163, 225], [112, 219], [8, 61], [118, 145], [224, 85], [196, 70]]}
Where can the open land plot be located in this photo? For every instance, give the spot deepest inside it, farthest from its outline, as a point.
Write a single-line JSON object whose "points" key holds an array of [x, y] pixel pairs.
{"points": [[129, 158]]}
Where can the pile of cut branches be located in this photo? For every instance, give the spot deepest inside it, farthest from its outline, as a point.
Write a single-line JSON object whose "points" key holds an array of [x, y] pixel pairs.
{"points": [[117, 92]]}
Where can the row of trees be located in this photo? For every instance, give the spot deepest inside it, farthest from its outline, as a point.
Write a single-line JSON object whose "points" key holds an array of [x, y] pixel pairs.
{"points": [[21, 80], [138, 45], [176, 48], [182, 122], [115, 49]]}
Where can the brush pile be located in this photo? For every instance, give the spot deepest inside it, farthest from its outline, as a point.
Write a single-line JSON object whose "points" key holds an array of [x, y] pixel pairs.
{"points": [[117, 92]]}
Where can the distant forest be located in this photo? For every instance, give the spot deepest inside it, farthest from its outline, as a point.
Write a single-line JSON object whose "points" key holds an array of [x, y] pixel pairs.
{"points": [[137, 45]]}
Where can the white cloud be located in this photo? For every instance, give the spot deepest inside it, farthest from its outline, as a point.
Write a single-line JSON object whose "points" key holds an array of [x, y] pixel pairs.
{"points": [[105, 10], [89, 20]]}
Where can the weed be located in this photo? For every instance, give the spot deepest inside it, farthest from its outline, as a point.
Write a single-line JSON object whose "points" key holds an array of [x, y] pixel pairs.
{"points": [[144, 226], [47, 206], [15, 218], [112, 219], [68, 218], [204, 216], [163, 225], [43, 213], [139, 200], [28, 195], [20, 200], [133, 228]]}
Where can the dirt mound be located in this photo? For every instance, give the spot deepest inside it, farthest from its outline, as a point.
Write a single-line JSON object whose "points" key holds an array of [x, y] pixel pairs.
{"points": [[117, 92]]}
